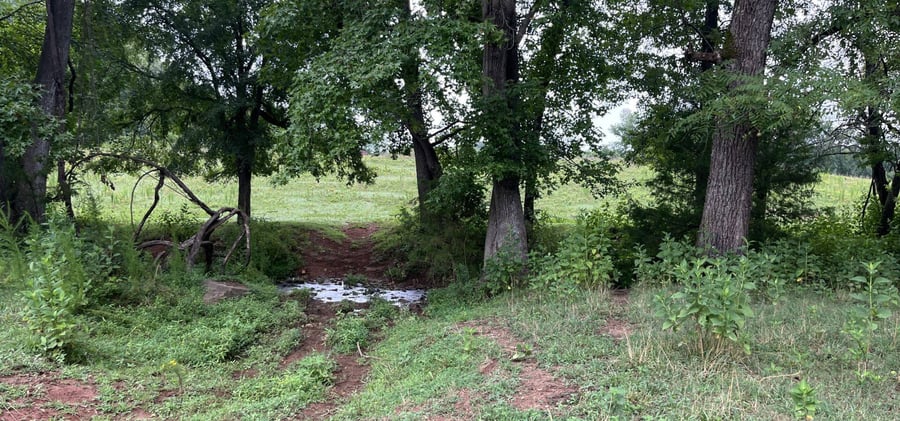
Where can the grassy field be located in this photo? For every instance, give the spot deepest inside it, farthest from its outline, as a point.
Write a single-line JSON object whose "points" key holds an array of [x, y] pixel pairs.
{"points": [[331, 201], [161, 353], [328, 200]]}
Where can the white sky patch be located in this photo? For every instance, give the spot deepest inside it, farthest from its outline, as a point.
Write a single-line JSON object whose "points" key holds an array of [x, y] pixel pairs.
{"points": [[613, 117]]}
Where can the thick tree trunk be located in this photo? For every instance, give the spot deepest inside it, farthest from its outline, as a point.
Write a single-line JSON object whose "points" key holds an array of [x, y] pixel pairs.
{"points": [[31, 191], [874, 142], [506, 220], [726, 211], [531, 195], [65, 190], [428, 168], [887, 196]]}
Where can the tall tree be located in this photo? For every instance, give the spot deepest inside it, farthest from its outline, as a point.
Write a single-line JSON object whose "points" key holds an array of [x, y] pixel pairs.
{"points": [[203, 62], [726, 211], [570, 53], [506, 218], [30, 186], [387, 75]]}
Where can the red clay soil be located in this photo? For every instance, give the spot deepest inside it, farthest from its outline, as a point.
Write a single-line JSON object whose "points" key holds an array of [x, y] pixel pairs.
{"points": [[327, 258], [351, 370], [617, 328], [538, 388], [47, 396]]}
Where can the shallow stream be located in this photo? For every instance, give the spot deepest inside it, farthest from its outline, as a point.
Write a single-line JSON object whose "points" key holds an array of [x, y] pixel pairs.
{"points": [[336, 290]]}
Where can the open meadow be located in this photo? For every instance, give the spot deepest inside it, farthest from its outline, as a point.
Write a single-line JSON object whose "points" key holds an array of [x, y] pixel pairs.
{"points": [[144, 345], [331, 201]]}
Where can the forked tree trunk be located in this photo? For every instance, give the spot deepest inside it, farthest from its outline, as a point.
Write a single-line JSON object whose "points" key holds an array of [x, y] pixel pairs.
{"points": [[31, 189], [506, 220], [726, 211], [428, 168]]}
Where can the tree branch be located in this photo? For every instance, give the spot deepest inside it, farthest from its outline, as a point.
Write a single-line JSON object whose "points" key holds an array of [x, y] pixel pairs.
{"points": [[271, 119], [443, 129], [163, 171], [448, 136], [702, 56], [19, 9], [526, 21]]}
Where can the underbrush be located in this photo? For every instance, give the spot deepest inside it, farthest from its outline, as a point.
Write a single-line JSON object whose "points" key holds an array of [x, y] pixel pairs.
{"points": [[97, 308]]}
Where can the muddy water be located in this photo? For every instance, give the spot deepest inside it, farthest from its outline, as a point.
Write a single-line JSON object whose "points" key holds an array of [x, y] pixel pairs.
{"points": [[336, 290]]}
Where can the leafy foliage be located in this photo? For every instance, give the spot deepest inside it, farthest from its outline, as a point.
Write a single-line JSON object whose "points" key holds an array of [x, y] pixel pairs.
{"points": [[873, 296], [19, 116], [61, 270], [582, 260], [714, 295]]}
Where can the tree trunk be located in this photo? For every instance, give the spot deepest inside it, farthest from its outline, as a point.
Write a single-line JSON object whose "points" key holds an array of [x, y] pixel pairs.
{"points": [[500, 66], [245, 174], [65, 190], [506, 221], [874, 142], [428, 166], [31, 191], [6, 194], [726, 211], [531, 195]]}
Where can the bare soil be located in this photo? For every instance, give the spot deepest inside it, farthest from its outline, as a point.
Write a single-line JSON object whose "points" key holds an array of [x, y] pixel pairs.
{"points": [[47, 396], [538, 387]]}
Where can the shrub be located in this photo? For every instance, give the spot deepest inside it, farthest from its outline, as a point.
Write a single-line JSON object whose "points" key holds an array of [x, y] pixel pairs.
{"points": [[504, 271], [60, 270], [714, 295], [435, 246], [583, 260]]}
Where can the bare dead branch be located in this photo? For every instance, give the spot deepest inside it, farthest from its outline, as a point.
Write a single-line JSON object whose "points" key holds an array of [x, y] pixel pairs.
{"points": [[159, 185], [162, 170]]}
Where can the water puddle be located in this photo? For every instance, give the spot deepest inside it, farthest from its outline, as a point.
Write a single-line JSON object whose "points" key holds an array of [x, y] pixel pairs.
{"points": [[336, 290]]}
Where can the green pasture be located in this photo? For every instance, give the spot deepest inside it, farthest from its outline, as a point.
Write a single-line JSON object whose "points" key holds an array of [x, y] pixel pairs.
{"points": [[330, 200]]}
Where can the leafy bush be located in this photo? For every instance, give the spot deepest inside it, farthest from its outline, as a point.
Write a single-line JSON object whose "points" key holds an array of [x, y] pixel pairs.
{"points": [[714, 295], [435, 246], [505, 271], [59, 274], [274, 249], [582, 260], [661, 270], [873, 296]]}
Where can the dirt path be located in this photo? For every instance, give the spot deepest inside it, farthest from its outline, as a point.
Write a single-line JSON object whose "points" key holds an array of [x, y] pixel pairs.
{"points": [[353, 255]]}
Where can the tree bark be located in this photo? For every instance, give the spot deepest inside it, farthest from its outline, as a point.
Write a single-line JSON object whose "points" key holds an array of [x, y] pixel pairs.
{"points": [[726, 211], [245, 175], [31, 191], [874, 142], [506, 220], [428, 166]]}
